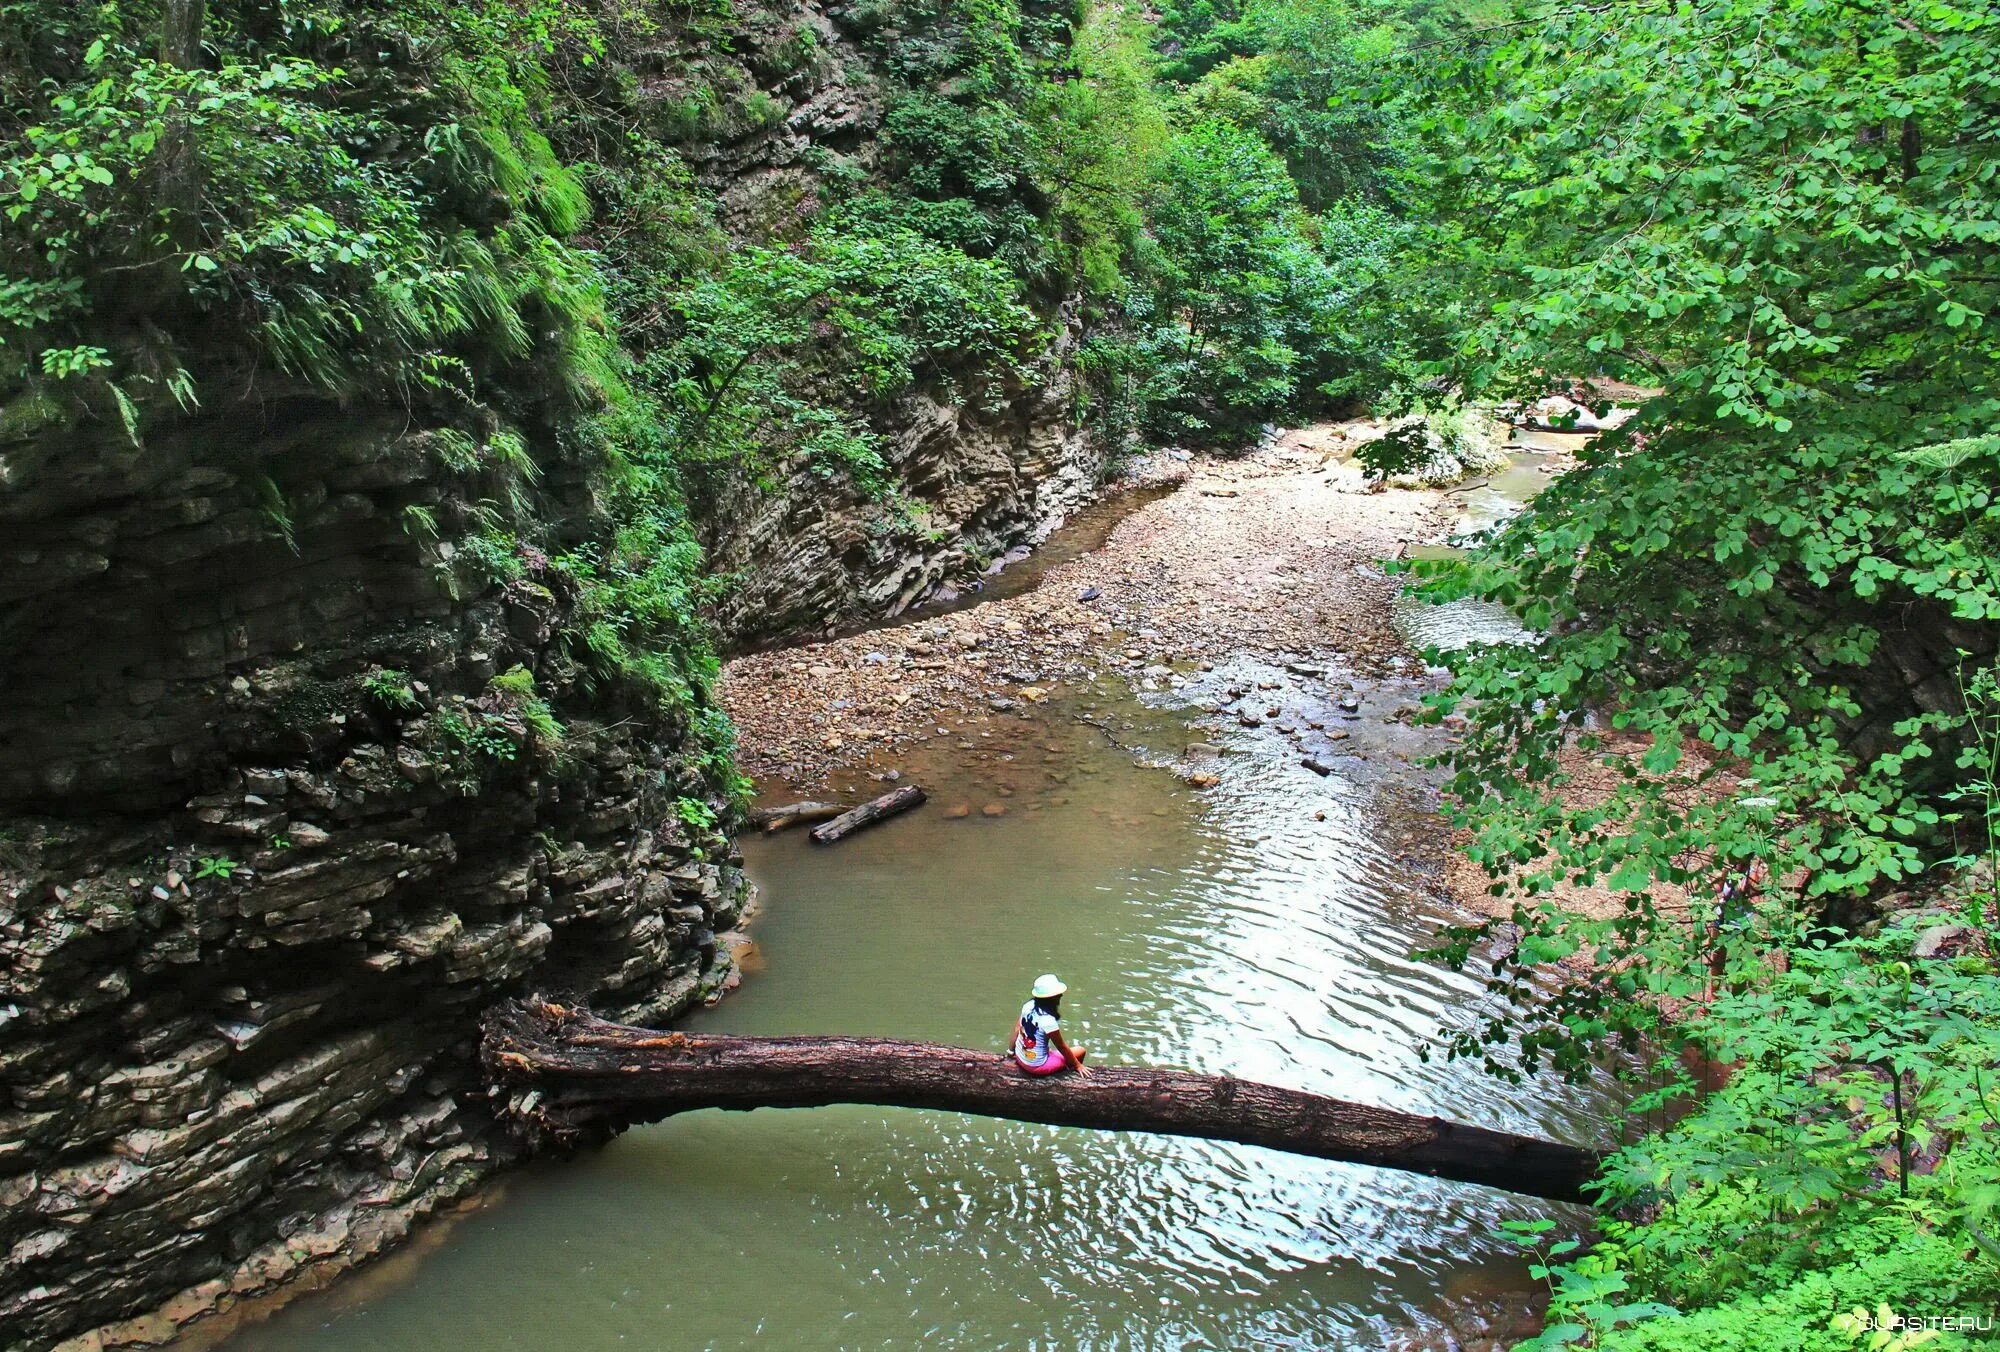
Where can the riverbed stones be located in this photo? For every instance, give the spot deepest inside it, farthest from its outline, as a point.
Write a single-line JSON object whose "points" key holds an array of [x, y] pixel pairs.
{"points": [[1283, 569]]}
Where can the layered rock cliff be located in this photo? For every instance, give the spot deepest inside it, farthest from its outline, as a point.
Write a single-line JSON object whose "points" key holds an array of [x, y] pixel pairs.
{"points": [[968, 481], [971, 486], [307, 755], [280, 823]]}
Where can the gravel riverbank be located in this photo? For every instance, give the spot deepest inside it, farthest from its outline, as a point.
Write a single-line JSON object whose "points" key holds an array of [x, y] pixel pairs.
{"points": [[1273, 556]]}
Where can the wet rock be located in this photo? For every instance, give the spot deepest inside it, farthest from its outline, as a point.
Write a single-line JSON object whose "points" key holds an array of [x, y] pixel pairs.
{"points": [[217, 1082], [958, 811], [993, 810], [1946, 941]]}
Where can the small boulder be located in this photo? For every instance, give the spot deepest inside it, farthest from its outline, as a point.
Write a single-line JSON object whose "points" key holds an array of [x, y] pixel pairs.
{"points": [[1945, 941]]}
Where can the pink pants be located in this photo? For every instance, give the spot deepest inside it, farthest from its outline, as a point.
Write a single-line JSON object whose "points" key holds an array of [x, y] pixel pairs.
{"points": [[1054, 1063]]}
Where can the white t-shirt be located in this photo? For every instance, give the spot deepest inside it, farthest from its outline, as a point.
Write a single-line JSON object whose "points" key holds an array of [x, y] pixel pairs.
{"points": [[1036, 1025]]}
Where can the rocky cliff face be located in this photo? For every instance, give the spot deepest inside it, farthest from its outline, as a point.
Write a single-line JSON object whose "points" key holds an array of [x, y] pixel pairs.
{"points": [[803, 553], [274, 836], [970, 487], [290, 792]]}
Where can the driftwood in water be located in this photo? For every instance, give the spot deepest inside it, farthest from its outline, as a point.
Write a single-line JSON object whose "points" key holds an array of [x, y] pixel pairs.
{"points": [[870, 812], [576, 1078], [775, 819]]}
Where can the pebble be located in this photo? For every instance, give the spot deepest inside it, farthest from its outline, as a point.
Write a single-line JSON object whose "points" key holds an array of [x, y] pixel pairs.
{"points": [[957, 811], [993, 810]]}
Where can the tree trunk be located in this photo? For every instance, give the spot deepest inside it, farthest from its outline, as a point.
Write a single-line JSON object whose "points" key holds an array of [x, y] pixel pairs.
{"points": [[180, 32], [774, 819], [179, 181], [575, 1078], [870, 812]]}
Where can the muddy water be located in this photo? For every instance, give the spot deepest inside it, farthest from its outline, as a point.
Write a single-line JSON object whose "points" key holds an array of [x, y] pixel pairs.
{"points": [[1263, 927]]}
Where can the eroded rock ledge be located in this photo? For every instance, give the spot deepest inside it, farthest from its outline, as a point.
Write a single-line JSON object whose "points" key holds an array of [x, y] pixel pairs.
{"points": [[210, 1084]]}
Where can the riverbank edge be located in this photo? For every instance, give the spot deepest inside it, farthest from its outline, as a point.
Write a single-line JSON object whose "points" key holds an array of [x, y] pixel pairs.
{"points": [[453, 1184]]}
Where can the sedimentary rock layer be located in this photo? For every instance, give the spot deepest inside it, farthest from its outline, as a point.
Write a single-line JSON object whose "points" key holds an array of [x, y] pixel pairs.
{"points": [[255, 889]]}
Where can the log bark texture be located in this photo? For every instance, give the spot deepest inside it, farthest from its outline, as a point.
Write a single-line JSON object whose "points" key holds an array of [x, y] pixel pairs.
{"points": [[560, 1072], [776, 819], [870, 812]]}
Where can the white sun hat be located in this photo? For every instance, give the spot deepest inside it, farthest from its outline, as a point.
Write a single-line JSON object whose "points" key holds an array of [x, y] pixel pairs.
{"points": [[1047, 986]]}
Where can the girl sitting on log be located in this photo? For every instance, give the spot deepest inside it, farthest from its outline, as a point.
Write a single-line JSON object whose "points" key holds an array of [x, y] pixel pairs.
{"points": [[1038, 1042]]}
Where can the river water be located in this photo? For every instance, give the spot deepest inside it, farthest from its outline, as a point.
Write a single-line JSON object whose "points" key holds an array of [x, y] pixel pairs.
{"points": [[1480, 505], [1264, 927]]}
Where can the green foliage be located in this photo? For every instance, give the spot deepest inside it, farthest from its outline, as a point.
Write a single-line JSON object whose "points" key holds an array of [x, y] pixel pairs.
{"points": [[1767, 613], [1586, 1294], [1975, 816], [1095, 141], [216, 866], [1300, 73], [875, 307], [696, 814], [1748, 566], [391, 689], [1238, 287], [514, 691], [1851, 1159], [1403, 449], [468, 743]]}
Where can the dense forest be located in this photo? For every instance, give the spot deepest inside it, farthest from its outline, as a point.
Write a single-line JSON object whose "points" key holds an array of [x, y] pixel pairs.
{"points": [[1769, 603]]}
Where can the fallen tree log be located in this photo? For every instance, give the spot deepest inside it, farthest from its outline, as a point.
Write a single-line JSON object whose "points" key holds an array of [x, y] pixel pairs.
{"points": [[775, 819], [870, 812], [572, 1077]]}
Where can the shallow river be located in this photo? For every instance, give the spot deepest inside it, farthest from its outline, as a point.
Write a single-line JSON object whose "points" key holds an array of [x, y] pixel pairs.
{"points": [[1226, 930]]}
